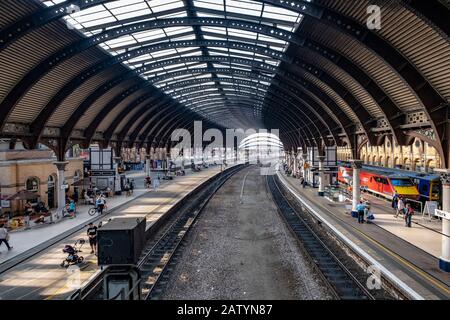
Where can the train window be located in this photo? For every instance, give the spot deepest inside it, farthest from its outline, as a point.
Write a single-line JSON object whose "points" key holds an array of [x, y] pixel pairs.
{"points": [[385, 181], [423, 189], [435, 188], [402, 182]]}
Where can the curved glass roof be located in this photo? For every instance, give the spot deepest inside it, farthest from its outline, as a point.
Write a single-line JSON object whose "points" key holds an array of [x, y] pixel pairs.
{"points": [[207, 68]]}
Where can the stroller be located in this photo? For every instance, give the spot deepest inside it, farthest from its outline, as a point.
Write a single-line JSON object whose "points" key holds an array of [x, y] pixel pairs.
{"points": [[72, 254]]}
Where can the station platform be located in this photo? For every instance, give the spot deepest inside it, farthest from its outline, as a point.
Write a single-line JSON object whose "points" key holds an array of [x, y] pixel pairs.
{"points": [[410, 254], [20, 238], [40, 277]]}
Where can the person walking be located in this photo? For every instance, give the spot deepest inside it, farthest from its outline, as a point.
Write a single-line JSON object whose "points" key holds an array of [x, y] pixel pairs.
{"points": [[148, 182], [4, 236], [72, 209], [76, 197], [103, 197], [409, 212], [360, 208], [400, 206], [131, 186], [100, 204], [92, 234]]}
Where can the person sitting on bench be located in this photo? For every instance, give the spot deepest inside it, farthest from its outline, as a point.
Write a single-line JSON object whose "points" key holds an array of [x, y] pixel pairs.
{"points": [[40, 208], [87, 199]]}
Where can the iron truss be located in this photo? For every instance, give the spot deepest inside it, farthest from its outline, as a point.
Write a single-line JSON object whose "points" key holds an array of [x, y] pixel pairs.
{"points": [[161, 64]]}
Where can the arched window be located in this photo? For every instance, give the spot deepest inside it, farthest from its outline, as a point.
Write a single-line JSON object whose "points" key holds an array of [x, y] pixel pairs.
{"points": [[407, 164], [395, 163], [32, 184], [51, 179]]}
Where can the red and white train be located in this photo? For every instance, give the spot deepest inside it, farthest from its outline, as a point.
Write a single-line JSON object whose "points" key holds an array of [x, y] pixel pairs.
{"points": [[377, 181]]}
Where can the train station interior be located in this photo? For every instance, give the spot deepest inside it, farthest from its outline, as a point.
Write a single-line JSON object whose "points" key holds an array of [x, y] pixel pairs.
{"points": [[224, 150]]}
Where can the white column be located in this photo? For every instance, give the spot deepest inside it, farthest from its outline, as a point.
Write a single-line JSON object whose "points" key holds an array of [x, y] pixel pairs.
{"points": [[61, 190], [147, 166], [356, 197], [321, 175], [304, 157], [295, 170], [444, 260], [117, 184]]}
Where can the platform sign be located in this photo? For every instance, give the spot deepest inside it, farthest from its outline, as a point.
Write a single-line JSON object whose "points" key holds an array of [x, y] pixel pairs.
{"points": [[5, 204], [442, 214], [430, 208]]}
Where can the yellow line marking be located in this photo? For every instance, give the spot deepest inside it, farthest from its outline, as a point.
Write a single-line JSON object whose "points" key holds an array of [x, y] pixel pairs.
{"points": [[396, 256], [406, 263], [57, 292]]}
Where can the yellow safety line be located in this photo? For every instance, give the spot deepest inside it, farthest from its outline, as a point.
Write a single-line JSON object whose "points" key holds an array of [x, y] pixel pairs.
{"points": [[406, 263], [56, 293], [396, 256], [60, 289], [165, 203]]}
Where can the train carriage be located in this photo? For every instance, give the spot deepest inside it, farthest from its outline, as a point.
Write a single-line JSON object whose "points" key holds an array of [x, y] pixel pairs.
{"points": [[382, 182]]}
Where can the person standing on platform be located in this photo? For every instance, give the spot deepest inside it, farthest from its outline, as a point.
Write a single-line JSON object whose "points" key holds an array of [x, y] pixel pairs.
{"points": [[360, 208], [155, 183], [92, 234], [127, 189], [395, 202], [4, 236], [75, 197], [400, 207], [28, 213], [409, 212]]}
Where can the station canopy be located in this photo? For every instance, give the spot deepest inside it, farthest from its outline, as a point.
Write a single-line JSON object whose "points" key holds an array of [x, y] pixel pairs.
{"points": [[219, 73], [131, 71]]}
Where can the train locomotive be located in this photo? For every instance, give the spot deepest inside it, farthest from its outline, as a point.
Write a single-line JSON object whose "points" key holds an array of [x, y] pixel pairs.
{"points": [[387, 181]]}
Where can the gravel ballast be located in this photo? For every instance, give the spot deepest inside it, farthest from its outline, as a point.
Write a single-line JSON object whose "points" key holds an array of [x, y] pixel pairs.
{"points": [[243, 250]]}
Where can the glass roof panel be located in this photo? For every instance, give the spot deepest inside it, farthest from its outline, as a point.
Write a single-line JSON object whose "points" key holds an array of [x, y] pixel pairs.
{"points": [[220, 53]]}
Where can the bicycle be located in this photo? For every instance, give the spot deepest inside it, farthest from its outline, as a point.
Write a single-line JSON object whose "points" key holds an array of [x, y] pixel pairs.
{"points": [[94, 210]]}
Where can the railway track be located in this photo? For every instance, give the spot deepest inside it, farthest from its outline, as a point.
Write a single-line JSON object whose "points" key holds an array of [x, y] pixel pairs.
{"points": [[342, 282], [160, 258], [162, 249]]}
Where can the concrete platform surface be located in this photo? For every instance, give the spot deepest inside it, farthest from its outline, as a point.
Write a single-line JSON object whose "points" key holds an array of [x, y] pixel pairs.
{"points": [[41, 277], [387, 242]]}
